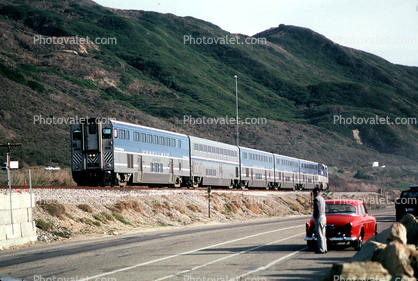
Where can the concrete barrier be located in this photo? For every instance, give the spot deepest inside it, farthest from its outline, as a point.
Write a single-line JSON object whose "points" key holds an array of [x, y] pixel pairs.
{"points": [[23, 229]]}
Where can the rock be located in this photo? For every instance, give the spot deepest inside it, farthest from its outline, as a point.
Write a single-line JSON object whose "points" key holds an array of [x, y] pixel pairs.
{"points": [[382, 237], [397, 233], [396, 258], [367, 251], [409, 221], [411, 224], [357, 271]]}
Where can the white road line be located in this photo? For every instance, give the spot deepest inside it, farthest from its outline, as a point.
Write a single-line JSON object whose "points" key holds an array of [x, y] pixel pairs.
{"points": [[227, 257], [270, 264], [185, 253]]}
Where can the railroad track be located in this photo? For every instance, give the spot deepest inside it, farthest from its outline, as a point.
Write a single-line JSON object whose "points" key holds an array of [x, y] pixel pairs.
{"points": [[139, 188]]}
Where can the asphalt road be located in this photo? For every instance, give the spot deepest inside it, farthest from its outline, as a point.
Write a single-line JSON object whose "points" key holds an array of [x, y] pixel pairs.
{"points": [[271, 249]]}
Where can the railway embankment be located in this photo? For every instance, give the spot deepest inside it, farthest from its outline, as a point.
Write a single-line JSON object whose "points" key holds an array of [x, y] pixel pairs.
{"points": [[62, 214]]}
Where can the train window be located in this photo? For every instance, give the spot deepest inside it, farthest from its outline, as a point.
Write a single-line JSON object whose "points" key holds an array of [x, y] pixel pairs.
{"points": [[156, 139], [92, 129], [161, 168], [229, 152], [173, 142], [152, 167], [107, 133], [149, 138], [213, 149], [122, 134], [200, 147], [143, 137], [217, 150], [115, 132], [161, 140], [179, 144], [205, 148], [221, 151], [127, 135], [196, 146], [136, 136], [156, 167], [77, 135], [209, 149]]}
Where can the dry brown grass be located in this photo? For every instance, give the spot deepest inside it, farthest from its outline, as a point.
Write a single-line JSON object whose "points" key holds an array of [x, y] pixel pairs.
{"points": [[180, 209], [193, 208], [86, 208], [129, 205], [232, 208], [166, 205], [56, 210], [253, 207], [156, 207], [41, 177]]}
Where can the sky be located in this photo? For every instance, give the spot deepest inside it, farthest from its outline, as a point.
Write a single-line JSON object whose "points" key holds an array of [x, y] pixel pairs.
{"points": [[386, 28]]}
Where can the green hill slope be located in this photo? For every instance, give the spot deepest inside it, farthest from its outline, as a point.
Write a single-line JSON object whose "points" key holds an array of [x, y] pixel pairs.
{"points": [[297, 79]]}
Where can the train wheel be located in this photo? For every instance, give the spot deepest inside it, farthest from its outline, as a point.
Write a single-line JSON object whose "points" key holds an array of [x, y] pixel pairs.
{"points": [[178, 182]]}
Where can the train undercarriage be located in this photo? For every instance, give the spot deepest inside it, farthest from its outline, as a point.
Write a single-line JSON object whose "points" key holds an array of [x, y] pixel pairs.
{"points": [[109, 178]]}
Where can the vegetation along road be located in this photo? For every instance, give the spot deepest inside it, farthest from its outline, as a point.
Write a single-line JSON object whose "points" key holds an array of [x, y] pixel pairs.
{"points": [[269, 249]]}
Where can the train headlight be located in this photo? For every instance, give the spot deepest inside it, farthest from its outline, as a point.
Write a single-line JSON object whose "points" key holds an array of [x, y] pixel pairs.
{"points": [[77, 167]]}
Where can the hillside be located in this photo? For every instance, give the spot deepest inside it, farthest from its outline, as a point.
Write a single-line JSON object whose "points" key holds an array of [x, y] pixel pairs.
{"points": [[298, 80]]}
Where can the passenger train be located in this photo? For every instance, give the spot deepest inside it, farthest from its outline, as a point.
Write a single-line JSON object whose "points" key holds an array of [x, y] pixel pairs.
{"points": [[108, 152]]}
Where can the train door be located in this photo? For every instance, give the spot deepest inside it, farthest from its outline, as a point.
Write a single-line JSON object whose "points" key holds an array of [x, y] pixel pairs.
{"points": [[171, 171], [265, 178], [92, 145], [252, 177], [293, 180], [140, 174]]}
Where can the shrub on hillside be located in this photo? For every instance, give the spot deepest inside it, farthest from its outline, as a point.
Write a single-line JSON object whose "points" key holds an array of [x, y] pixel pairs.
{"points": [[363, 176]]}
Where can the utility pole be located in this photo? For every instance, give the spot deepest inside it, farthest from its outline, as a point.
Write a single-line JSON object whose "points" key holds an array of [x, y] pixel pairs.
{"points": [[9, 182], [236, 103]]}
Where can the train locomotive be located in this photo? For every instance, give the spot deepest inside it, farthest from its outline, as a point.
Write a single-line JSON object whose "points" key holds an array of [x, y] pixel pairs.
{"points": [[108, 152]]}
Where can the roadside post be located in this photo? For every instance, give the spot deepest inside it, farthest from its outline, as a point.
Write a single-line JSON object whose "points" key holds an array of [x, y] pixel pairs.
{"points": [[31, 196], [14, 165], [209, 191]]}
